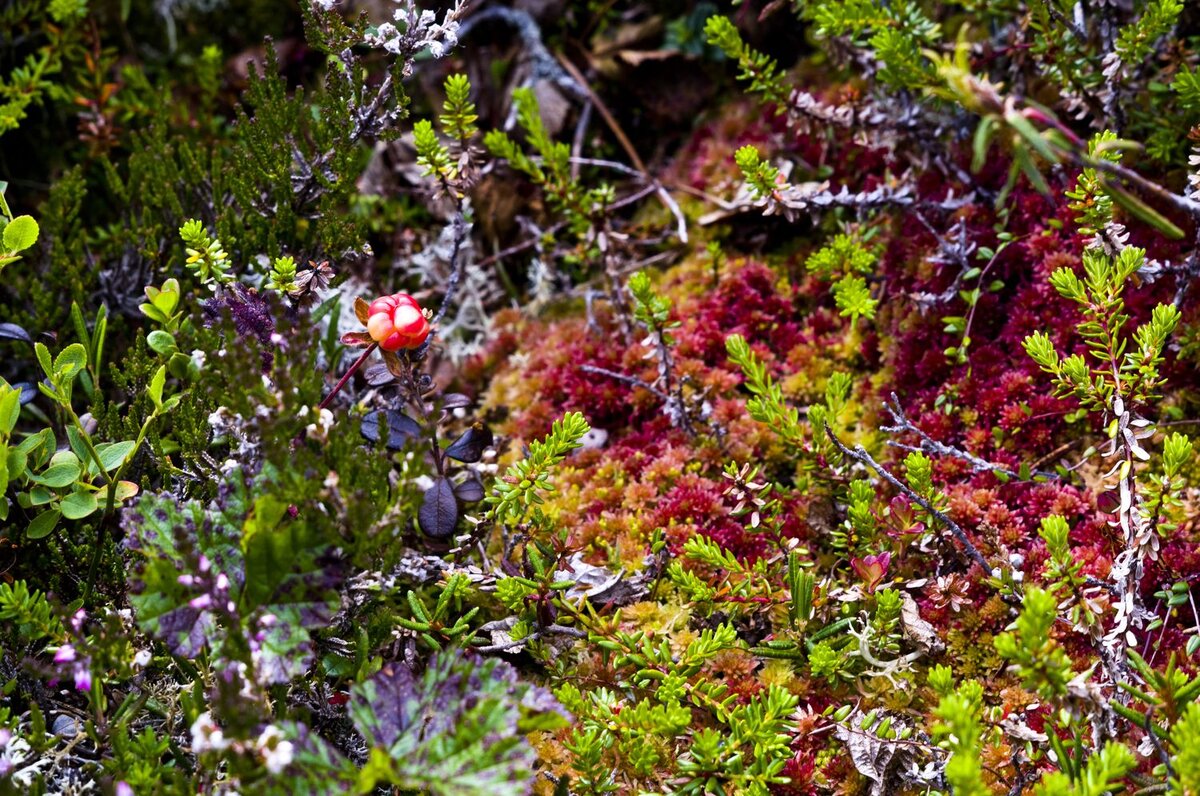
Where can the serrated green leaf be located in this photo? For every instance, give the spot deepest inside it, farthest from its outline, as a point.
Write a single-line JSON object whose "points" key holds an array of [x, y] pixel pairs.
{"points": [[43, 358], [70, 361]]}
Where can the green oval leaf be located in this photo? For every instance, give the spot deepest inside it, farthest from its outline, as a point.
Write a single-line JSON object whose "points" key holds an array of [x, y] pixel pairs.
{"points": [[10, 408], [59, 474], [113, 455], [43, 524], [157, 383], [15, 462], [21, 233], [78, 505], [161, 342]]}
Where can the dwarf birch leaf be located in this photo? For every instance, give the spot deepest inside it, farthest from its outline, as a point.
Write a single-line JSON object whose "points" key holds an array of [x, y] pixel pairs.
{"points": [[20, 234]]}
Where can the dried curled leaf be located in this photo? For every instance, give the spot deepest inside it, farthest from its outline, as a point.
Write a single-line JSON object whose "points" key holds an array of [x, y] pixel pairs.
{"points": [[917, 630], [357, 339], [362, 310]]}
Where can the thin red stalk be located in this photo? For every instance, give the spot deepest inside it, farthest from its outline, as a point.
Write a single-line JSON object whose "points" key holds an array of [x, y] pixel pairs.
{"points": [[346, 377]]}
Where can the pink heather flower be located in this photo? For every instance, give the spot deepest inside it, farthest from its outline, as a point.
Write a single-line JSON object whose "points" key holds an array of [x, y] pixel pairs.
{"points": [[83, 677], [65, 654], [123, 789], [872, 569]]}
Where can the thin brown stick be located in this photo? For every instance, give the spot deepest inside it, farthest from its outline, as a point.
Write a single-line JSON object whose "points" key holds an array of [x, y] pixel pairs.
{"points": [[605, 113]]}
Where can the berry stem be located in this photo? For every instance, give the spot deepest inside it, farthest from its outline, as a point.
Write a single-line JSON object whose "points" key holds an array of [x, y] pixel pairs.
{"points": [[346, 377]]}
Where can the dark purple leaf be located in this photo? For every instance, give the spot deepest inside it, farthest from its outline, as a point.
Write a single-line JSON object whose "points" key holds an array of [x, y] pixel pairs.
{"points": [[438, 515], [388, 709], [455, 400], [28, 390], [471, 445], [469, 491], [457, 727], [10, 331], [401, 428], [185, 630], [378, 375]]}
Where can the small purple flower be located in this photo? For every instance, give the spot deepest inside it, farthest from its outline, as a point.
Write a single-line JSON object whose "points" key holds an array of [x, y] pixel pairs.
{"points": [[83, 676], [65, 654], [201, 602], [123, 789]]}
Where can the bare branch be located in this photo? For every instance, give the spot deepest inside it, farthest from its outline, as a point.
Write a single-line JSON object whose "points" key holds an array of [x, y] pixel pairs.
{"points": [[859, 454], [930, 445]]}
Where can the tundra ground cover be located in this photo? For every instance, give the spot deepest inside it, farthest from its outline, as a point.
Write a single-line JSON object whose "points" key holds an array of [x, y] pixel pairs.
{"points": [[583, 398]]}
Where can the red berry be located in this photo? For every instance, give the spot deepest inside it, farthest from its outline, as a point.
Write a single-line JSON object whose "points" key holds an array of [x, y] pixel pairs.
{"points": [[396, 322]]}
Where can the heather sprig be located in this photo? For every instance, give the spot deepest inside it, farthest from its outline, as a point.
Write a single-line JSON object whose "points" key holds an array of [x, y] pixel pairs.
{"points": [[760, 175], [1118, 370], [205, 256], [283, 275], [768, 405], [757, 69], [853, 299], [1039, 659], [961, 731], [518, 489]]}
